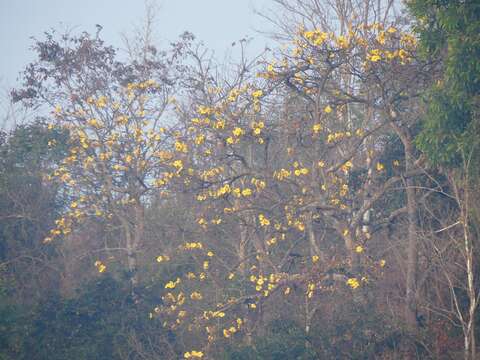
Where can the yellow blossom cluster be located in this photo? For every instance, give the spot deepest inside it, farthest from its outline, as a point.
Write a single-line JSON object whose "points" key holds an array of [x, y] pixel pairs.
{"points": [[353, 283], [101, 267], [194, 354], [192, 246], [172, 284]]}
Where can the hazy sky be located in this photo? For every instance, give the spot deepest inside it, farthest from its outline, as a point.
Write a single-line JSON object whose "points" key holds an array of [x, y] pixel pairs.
{"points": [[217, 22]]}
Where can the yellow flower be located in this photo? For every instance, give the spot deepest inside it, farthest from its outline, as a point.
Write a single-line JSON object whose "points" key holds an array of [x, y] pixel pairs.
{"points": [[263, 220], [231, 276], [181, 147], [196, 296], [101, 102], [163, 258], [220, 124], [359, 249], [257, 93], [193, 354], [382, 263], [315, 258], [309, 34], [342, 42], [353, 283], [380, 167], [374, 55], [237, 132], [381, 37], [210, 254], [247, 192], [122, 120], [328, 109], [317, 128], [204, 110], [219, 314], [402, 54], [272, 241], [200, 139], [94, 123], [171, 285], [299, 225], [100, 266], [347, 166]]}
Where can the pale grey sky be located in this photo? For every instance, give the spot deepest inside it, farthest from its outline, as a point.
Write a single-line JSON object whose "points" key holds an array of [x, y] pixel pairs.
{"points": [[217, 22]]}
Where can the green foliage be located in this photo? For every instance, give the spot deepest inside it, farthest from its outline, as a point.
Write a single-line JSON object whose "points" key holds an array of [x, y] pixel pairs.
{"points": [[13, 324], [98, 323], [81, 328], [27, 205], [29, 147], [283, 340], [352, 332], [449, 30]]}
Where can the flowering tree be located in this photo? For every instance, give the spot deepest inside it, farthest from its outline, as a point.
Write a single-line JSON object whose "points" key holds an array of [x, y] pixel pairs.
{"points": [[277, 164], [270, 185], [119, 147]]}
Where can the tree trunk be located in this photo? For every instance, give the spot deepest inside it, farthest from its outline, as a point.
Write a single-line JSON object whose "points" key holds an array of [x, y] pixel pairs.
{"points": [[463, 200], [133, 238], [412, 246], [412, 259]]}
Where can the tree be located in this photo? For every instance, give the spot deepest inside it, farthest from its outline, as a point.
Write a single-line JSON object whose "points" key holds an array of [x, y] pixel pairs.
{"points": [[277, 207], [449, 32], [29, 206], [288, 160], [113, 112]]}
